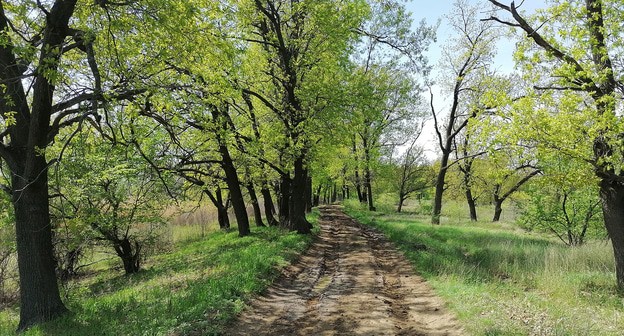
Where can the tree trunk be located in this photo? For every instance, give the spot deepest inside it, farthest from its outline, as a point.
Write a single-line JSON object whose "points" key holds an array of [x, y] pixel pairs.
{"points": [[400, 207], [254, 202], [222, 208], [67, 268], [39, 296], [269, 208], [236, 195], [223, 218], [317, 195], [358, 188], [439, 190], [222, 211], [334, 195], [130, 256], [284, 200], [297, 220], [308, 194], [24, 154], [471, 204], [358, 181], [612, 196], [40, 300], [498, 209], [368, 181]]}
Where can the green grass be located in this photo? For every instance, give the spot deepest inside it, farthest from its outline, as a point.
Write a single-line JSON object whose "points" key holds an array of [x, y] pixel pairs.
{"points": [[194, 290], [503, 282]]}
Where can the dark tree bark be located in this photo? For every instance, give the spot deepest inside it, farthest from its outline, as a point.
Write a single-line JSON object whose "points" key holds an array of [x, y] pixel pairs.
{"points": [[439, 189], [472, 207], [473, 58], [284, 200], [400, 206], [236, 195], [67, 267], [130, 254], [39, 295], [309, 195], [254, 202], [317, 195], [231, 176], [466, 169], [498, 209], [368, 185], [612, 196], [222, 208], [297, 219], [269, 207], [499, 199], [358, 180], [29, 136]]}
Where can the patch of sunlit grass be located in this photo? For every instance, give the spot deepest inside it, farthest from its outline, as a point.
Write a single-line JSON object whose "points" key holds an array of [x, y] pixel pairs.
{"points": [[500, 281], [195, 289]]}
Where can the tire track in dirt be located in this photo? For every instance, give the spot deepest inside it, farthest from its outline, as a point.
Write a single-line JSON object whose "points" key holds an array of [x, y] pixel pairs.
{"points": [[351, 281]]}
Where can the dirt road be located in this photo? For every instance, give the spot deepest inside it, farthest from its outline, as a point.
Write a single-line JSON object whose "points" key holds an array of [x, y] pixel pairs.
{"points": [[350, 282]]}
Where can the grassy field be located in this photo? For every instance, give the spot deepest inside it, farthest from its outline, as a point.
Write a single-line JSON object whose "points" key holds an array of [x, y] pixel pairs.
{"points": [[194, 290], [501, 281]]}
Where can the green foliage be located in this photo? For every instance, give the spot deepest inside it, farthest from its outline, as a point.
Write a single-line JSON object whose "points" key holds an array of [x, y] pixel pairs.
{"points": [[505, 283], [564, 202], [104, 193]]}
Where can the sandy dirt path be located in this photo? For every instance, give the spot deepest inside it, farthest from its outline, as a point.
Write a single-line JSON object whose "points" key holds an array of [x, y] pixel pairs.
{"points": [[350, 282]]}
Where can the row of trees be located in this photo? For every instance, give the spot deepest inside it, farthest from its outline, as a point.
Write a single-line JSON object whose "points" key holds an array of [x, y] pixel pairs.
{"points": [[556, 115], [111, 109]]}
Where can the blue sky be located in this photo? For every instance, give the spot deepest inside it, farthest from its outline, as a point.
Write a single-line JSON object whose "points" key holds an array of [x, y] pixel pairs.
{"points": [[431, 11], [434, 10]]}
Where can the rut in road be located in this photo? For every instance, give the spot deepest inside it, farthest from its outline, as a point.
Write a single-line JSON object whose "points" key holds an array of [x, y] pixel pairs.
{"points": [[351, 281]]}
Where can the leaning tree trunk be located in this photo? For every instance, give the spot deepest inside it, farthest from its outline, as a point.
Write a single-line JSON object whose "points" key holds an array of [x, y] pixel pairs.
{"points": [[40, 300], [612, 196], [254, 202], [297, 219], [498, 210], [439, 190], [236, 195], [401, 201]]}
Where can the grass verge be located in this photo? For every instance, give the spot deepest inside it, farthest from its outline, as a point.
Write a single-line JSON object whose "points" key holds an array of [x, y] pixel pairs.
{"points": [[509, 283], [195, 290]]}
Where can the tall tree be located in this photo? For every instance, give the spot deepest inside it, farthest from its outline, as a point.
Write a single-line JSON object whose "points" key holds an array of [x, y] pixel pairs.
{"points": [[302, 44], [574, 43], [385, 91], [467, 61]]}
